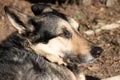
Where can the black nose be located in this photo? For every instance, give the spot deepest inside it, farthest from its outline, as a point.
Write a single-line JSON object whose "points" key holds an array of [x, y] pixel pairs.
{"points": [[96, 51]]}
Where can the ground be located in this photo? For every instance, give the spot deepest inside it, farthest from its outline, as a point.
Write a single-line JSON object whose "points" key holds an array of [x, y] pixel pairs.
{"points": [[107, 65]]}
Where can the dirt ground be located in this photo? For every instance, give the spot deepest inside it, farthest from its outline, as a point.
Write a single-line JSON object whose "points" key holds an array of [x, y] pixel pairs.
{"points": [[108, 64]]}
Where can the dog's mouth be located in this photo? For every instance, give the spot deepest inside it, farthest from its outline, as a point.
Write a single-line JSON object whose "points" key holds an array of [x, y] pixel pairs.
{"points": [[79, 59], [90, 61]]}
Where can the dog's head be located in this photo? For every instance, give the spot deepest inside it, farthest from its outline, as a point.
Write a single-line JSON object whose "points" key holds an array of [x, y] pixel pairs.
{"points": [[53, 33]]}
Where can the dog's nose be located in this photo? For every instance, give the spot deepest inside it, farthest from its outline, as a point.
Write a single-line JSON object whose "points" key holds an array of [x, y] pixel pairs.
{"points": [[96, 51]]}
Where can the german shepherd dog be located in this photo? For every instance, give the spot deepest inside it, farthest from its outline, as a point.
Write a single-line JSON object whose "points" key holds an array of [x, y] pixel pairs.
{"points": [[46, 46]]}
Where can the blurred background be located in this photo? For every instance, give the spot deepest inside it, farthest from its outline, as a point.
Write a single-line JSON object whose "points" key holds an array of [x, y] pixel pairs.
{"points": [[99, 22]]}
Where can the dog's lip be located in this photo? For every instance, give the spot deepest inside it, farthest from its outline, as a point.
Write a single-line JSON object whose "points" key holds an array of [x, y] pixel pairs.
{"points": [[83, 62], [88, 62]]}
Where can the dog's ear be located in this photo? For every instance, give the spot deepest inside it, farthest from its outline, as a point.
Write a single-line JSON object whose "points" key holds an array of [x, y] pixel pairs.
{"points": [[19, 20], [73, 23], [38, 9]]}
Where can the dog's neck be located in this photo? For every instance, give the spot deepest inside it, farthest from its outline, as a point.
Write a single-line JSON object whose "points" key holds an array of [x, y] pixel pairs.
{"points": [[14, 40], [16, 45]]}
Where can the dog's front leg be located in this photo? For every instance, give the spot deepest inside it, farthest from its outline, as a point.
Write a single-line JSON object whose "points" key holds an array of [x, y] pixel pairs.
{"points": [[49, 54], [56, 59]]}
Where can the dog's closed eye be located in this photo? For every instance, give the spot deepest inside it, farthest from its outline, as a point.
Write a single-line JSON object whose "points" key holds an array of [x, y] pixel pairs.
{"points": [[65, 34]]}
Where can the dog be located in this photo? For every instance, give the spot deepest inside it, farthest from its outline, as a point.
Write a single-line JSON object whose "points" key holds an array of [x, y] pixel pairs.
{"points": [[47, 46]]}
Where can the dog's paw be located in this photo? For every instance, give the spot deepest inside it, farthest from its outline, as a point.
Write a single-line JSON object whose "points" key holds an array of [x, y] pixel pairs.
{"points": [[56, 59], [81, 76], [61, 62]]}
